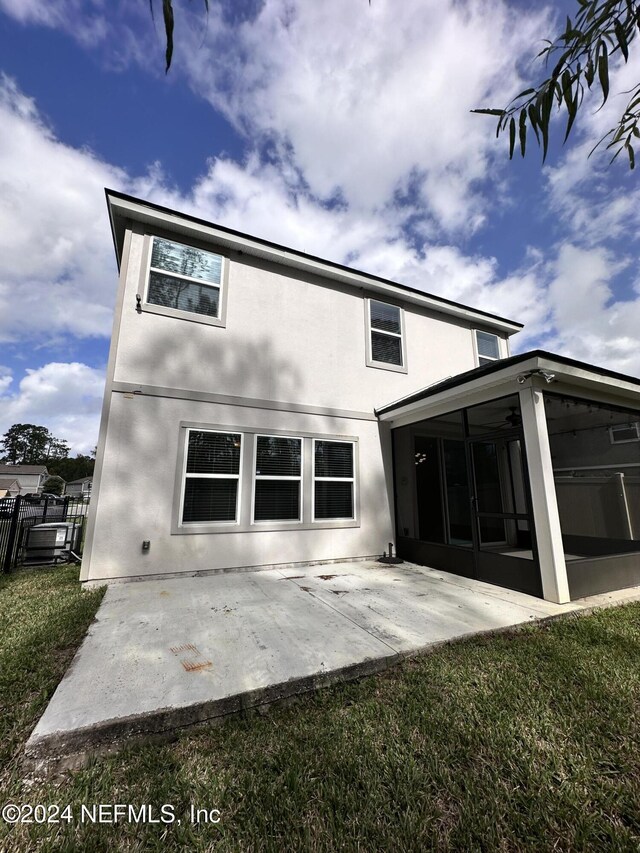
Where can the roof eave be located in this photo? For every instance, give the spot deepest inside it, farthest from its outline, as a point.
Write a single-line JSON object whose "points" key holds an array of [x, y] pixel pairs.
{"points": [[123, 208], [566, 372]]}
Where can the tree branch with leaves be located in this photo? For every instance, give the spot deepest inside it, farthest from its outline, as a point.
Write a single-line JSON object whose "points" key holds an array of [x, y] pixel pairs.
{"points": [[169, 23], [580, 59]]}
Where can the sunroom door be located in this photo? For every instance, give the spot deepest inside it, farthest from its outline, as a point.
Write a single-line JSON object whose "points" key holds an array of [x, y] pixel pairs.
{"points": [[503, 542]]}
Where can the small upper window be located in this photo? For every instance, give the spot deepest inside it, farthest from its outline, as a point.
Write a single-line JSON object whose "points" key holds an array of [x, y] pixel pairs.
{"points": [[385, 327], [488, 347], [184, 278], [622, 433]]}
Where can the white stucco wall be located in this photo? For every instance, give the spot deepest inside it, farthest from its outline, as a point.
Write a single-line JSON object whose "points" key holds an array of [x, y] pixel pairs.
{"points": [[135, 501], [286, 339], [292, 339]]}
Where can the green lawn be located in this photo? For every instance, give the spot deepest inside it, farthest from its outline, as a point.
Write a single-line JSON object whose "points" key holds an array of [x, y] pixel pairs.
{"points": [[524, 741]]}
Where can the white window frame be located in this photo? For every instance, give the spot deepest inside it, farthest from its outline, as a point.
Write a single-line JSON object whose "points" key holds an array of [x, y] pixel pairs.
{"points": [[185, 475], [315, 479], [192, 316], [487, 358], [277, 477], [632, 424], [370, 361]]}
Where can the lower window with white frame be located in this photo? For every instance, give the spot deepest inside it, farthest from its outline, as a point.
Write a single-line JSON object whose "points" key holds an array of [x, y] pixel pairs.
{"points": [[278, 478], [288, 481], [333, 480], [211, 477]]}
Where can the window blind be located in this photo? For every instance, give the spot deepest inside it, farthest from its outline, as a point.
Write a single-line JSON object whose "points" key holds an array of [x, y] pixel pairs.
{"points": [[386, 333], [212, 475], [333, 496], [278, 478]]}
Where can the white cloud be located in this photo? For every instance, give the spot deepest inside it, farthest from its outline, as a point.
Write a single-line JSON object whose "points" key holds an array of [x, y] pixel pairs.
{"points": [[590, 324], [57, 271], [365, 101], [66, 398], [84, 19], [367, 105], [597, 202]]}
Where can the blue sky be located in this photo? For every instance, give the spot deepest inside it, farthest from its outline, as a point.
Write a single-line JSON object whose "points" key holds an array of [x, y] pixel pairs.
{"points": [[337, 128]]}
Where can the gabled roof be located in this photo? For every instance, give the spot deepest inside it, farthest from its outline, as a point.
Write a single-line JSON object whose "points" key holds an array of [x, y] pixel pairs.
{"points": [[23, 469], [7, 482], [80, 480], [125, 208]]}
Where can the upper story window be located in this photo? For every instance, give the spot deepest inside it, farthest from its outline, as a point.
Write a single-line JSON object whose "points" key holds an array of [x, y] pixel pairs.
{"points": [[385, 336], [488, 347], [185, 279]]}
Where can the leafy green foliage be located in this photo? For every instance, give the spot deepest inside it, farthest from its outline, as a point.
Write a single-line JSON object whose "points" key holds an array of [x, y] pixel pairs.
{"points": [[53, 485], [580, 59], [72, 467], [29, 444]]}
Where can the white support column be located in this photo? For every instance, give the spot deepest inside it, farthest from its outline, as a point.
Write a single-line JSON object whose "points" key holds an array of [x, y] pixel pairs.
{"points": [[553, 568]]}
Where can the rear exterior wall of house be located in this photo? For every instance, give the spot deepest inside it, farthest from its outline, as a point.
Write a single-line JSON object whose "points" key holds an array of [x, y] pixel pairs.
{"points": [[196, 411]]}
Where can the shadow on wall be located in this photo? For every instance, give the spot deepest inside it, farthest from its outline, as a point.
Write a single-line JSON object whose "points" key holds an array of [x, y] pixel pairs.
{"points": [[199, 357], [146, 464]]}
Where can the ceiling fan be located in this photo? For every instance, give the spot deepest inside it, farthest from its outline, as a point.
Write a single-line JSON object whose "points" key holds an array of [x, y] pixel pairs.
{"points": [[512, 420]]}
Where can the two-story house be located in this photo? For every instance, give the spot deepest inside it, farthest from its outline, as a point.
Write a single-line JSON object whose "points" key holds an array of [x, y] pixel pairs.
{"points": [[30, 477], [249, 419]]}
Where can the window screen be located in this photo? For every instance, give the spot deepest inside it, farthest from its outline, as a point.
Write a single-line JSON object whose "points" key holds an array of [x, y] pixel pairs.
{"points": [[386, 333], [488, 347], [212, 476], [278, 477], [184, 278], [333, 480]]}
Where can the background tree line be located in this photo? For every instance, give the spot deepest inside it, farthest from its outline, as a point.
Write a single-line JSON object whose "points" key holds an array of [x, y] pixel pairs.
{"points": [[30, 444]]}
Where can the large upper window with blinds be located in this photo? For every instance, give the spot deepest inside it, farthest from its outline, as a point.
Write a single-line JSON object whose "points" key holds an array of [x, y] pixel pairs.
{"points": [[385, 335], [211, 477], [278, 479], [333, 480], [184, 278], [488, 347]]}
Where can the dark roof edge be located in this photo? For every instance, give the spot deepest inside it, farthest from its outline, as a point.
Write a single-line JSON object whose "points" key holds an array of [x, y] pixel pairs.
{"points": [[303, 255], [494, 367]]}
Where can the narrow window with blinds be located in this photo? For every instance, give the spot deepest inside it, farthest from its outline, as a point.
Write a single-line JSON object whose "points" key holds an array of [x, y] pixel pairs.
{"points": [[184, 278], [278, 479], [488, 347], [386, 333], [333, 480], [211, 477]]}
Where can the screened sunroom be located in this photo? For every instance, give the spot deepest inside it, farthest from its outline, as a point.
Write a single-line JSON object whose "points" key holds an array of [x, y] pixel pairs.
{"points": [[524, 473]]}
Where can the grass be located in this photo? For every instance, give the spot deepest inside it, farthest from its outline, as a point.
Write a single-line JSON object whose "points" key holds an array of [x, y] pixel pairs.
{"points": [[523, 741]]}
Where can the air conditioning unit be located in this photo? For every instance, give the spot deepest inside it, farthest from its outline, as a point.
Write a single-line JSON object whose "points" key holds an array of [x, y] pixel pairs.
{"points": [[52, 542]]}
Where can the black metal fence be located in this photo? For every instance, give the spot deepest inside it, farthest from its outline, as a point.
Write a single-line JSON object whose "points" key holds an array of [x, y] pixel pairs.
{"points": [[18, 515]]}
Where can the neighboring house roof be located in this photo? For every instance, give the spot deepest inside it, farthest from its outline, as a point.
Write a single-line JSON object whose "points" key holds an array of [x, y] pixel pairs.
{"points": [[23, 469], [80, 481], [535, 360], [9, 483], [123, 208]]}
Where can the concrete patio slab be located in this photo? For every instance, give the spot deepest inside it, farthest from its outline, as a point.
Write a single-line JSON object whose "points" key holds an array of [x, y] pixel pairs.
{"points": [[164, 654]]}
